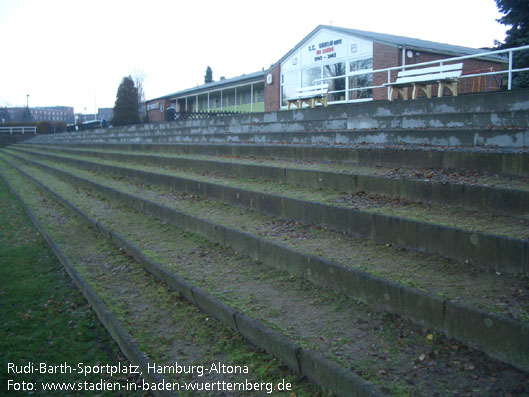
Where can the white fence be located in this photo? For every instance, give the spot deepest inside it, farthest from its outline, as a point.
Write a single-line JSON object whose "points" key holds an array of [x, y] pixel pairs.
{"points": [[19, 130]]}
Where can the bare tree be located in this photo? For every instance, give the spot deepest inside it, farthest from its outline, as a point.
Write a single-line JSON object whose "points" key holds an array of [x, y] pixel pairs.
{"points": [[139, 78]]}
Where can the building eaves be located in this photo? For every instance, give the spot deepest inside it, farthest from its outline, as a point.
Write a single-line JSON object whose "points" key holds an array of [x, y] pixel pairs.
{"points": [[411, 43], [215, 85], [398, 41]]}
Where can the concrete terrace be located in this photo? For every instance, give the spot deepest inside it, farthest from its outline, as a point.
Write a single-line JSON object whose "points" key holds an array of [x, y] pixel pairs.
{"points": [[379, 248]]}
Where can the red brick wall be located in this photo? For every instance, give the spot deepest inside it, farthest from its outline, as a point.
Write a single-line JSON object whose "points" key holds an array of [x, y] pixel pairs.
{"points": [[386, 56], [155, 115], [482, 83], [470, 66], [272, 91]]}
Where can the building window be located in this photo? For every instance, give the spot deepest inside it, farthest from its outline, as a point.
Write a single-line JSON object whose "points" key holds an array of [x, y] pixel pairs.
{"points": [[311, 76], [344, 63], [359, 80], [331, 75], [289, 85]]}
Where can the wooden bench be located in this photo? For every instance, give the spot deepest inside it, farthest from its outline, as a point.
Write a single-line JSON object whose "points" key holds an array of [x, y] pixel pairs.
{"points": [[310, 95], [445, 76]]}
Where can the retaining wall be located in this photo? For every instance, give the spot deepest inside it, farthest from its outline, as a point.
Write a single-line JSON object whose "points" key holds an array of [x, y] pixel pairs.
{"points": [[500, 118]]}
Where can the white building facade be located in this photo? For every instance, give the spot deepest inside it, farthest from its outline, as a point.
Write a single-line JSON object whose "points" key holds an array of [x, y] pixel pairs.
{"points": [[344, 62]]}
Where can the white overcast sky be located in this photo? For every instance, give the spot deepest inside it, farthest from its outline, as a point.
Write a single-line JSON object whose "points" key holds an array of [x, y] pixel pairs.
{"points": [[76, 52]]}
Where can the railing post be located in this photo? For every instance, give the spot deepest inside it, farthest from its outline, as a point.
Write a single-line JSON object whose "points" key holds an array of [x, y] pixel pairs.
{"points": [[509, 85], [389, 81]]}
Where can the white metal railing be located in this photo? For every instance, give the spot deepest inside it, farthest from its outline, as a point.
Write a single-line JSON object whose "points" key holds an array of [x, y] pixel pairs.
{"points": [[18, 130], [509, 71]]}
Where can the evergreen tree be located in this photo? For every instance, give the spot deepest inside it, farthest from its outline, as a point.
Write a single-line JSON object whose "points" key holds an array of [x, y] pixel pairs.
{"points": [[208, 78], [126, 106], [516, 16]]}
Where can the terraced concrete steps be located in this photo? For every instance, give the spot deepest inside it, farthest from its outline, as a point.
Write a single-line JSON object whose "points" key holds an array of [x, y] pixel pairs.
{"points": [[512, 138], [136, 311], [488, 241], [493, 119], [471, 190], [388, 350], [485, 160], [324, 226], [467, 323], [318, 120], [152, 324]]}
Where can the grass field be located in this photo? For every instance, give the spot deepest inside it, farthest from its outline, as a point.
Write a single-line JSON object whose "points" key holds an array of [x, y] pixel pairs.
{"points": [[44, 318]]}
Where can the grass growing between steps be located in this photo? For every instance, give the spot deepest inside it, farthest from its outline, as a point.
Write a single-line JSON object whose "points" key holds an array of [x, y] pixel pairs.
{"points": [[339, 167], [477, 221], [502, 294], [163, 325], [383, 349], [44, 318]]}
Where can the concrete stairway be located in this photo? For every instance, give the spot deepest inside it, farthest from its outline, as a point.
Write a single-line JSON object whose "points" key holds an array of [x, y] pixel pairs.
{"points": [[473, 120], [7, 139], [368, 268]]}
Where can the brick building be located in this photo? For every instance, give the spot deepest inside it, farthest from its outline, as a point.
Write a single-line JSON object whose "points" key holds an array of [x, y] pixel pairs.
{"points": [[241, 94], [346, 59], [50, 113]]}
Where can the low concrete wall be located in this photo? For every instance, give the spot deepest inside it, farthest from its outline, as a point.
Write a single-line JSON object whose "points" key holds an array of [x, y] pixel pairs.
{"points": [[512, 138], [498, 105], [6, 140], [490, 162], [475, 111]]}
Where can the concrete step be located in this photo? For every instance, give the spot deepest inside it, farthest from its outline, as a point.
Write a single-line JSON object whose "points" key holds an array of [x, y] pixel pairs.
{"points": [[497, 119], [485, 160], [387, 350], [152, 323], [490, 241], [8, 139], [509, 138], [470, 190], [455, 308], [500, 109]]}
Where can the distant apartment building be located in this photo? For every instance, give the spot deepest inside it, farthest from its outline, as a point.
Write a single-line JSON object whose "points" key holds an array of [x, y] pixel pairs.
{"points": [[102, 114], [52, 113], [83, 117], [105, 114]]}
